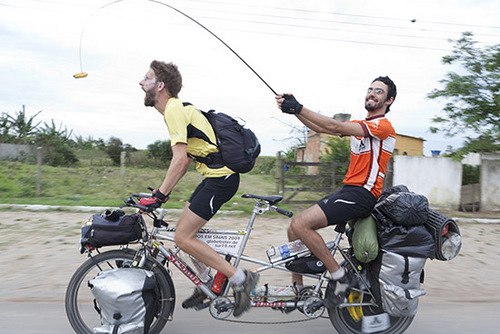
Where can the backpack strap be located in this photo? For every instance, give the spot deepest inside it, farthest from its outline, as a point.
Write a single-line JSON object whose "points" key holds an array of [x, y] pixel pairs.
{"points": [[212, 160]]}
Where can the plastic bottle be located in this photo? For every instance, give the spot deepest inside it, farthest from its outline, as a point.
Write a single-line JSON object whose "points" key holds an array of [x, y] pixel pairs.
{"points": [[287, 250], [199, 268], [451, 245], [294, 248]]}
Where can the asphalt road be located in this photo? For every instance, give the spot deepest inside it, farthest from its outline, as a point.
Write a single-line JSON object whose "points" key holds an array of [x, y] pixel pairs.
{"points": [[449, 318]]}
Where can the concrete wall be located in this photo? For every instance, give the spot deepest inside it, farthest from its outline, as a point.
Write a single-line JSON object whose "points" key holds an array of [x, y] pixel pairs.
{"points": [[490, 181], [437, 178], [17, 152]]}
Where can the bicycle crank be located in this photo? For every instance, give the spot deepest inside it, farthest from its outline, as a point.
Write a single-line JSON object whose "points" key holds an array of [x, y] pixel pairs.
{"points": [[313, 307], [221, 308]]}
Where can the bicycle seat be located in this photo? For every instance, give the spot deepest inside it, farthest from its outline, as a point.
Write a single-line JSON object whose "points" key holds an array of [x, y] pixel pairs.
{"points": [[273, 199]]}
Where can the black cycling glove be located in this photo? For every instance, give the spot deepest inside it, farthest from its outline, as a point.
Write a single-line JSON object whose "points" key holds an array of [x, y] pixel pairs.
{"points": [[291, 105]]}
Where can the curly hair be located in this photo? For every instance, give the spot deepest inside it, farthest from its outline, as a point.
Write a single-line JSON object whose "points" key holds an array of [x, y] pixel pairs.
{"points": [[169, 74]]}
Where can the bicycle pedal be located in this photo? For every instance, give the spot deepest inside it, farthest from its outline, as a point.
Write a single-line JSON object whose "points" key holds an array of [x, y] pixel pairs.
{"points": [[201, 306]]}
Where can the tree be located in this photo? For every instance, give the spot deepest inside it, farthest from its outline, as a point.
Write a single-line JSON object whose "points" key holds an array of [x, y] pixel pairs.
{"points": [[57, 143], [18, 129], [338, 149], [473, 106], [114, 148], [160, 151]]}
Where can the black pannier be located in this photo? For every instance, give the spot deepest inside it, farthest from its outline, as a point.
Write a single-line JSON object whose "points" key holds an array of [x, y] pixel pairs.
{"points": [[111, 228], [306, 265]]}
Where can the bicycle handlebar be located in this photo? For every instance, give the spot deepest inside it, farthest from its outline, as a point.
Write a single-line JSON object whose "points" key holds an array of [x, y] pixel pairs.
{"points": [[283, 211], [270, 200]]}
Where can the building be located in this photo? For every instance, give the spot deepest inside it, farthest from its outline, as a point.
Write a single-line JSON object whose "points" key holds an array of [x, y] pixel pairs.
{"points": [[316, 144]]}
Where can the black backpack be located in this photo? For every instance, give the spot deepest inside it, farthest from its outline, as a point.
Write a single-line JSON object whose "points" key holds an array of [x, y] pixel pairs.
{"points": [[238, 146]]}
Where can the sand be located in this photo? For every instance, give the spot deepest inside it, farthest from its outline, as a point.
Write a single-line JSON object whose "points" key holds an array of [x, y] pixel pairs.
{"points": [[39, 252]]}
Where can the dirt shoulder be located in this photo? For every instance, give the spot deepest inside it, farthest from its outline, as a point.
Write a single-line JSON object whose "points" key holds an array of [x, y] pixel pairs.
{"points": [[39, 253]]}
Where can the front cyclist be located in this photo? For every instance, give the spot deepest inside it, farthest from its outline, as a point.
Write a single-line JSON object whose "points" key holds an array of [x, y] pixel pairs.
{"points": [[191, 135]]}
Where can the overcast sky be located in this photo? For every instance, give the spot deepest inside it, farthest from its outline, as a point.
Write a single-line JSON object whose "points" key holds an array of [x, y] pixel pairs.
{"points": [[325, 52]]}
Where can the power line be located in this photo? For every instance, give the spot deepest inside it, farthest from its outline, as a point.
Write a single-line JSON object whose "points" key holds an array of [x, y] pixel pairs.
{"points": [[350, 15], [341, 40], [321, 28]]}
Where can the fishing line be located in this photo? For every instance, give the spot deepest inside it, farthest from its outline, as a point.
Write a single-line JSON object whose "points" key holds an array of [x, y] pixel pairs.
{"points": [[83, 74]]}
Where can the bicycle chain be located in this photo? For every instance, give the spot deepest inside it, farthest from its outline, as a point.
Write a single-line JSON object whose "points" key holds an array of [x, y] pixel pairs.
{"points": [[265, 322]]}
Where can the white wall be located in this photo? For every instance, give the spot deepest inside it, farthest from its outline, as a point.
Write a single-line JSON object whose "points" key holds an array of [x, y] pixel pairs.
{"points": [[490, 181], [437, 178]]}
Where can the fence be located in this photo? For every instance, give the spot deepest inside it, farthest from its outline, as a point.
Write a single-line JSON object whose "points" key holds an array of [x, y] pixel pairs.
{"points": [[304, 179], [300, 179]]}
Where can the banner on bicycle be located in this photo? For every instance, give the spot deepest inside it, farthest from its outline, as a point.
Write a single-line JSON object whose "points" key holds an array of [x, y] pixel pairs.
{"points": [[226, 241]]}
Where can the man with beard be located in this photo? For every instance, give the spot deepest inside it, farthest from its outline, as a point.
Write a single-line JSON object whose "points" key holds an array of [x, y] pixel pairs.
{"points": [[372, 143], [192, 136]]}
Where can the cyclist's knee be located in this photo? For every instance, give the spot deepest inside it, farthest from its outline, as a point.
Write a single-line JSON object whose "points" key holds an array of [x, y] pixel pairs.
{"points": [[297, 228], [181, 241]]}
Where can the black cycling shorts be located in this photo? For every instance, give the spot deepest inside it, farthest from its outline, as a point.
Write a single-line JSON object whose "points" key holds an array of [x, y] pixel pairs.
{"points": [[211, 193], [349, 202]]}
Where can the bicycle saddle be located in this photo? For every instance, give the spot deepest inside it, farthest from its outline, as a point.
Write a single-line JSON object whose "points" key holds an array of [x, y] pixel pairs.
{"points": [[273, 199]]}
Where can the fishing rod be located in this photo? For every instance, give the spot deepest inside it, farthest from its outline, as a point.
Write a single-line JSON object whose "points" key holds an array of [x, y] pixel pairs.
{"points": [[83, 74]]}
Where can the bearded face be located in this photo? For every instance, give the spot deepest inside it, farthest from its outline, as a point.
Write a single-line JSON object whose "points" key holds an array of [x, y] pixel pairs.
{"points": [[372, 103], [376, 96], [150, 98]]}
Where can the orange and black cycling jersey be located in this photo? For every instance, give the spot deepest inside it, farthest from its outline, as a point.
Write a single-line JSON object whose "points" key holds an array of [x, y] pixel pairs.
{"points": [[370, 154]]}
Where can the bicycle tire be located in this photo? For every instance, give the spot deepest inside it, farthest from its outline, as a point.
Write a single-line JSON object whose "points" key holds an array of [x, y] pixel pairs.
{"points": [[344, 323], [79, 300]]}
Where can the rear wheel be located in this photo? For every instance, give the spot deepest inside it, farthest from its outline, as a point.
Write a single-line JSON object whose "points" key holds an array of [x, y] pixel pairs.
{"points": [[79, 301], [348, 320]]}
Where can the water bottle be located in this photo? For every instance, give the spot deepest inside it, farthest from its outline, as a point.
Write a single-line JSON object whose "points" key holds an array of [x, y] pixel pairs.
{"points": [[285, 251], [219, 282], [294, 248], [201, 269], [198, 267]]}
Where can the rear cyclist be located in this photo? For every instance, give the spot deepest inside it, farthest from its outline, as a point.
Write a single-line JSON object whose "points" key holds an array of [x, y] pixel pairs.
{"points": [[372, 143]]}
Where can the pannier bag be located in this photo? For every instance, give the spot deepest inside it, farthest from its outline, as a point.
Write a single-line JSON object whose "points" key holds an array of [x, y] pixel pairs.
{"points": [[446, 233], [400, 277], [111, 228], [364, 240], [414, 241], [126, 299]]}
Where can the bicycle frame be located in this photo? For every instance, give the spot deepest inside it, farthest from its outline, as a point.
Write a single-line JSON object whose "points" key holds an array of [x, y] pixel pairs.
{"points": [[151, 254], [159, 233]]}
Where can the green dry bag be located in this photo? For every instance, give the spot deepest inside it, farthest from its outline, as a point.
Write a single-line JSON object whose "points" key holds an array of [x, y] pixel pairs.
{"points": [[364, 240]]}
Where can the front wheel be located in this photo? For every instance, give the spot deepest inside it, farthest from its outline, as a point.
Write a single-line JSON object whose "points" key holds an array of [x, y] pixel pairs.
{"points": [[348, 320], [80, 302]]}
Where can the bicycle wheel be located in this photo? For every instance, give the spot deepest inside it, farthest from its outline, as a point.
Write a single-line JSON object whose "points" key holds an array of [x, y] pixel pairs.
{"points": [[79, 301], [346, 322]]}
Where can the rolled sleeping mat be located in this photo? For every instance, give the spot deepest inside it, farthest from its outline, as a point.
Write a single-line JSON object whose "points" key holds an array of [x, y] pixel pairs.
{"points": [[446, 235]]}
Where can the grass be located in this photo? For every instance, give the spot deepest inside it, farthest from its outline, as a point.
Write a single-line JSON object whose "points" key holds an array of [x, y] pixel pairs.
{"points": [[107, 186]]}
